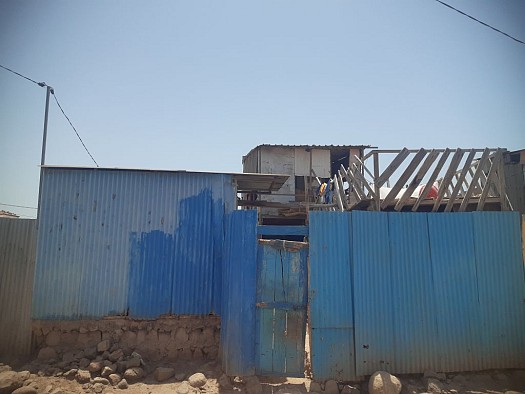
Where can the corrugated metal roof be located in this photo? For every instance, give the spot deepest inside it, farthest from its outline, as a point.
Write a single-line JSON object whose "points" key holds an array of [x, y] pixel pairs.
{"points": [[331, 147], [89, 219], [330, 296], [17, 265]]}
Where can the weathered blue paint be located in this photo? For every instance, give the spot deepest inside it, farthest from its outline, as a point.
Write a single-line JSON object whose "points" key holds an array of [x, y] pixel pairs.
{"points": [[412, 302], [238, 294], [151, 274], [373, 292], [501, 289], [101, 227], [455, 291], [330, 296], [281, 307], [431, 291]]}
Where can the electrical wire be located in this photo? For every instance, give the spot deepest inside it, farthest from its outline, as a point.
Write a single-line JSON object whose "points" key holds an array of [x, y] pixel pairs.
{"points": [[17, 206], [76, 132], [477, 20], [43, 84]]}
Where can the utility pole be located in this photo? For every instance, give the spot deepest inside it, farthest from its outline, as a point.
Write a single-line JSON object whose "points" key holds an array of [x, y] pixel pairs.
{"points": [[49, 91]]}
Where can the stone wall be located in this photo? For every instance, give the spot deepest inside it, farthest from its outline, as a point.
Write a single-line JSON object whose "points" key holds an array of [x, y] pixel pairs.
{"points": [[170, 338]]}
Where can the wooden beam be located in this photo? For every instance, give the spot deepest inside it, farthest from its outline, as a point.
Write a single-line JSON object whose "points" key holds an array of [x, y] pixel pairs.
{"points": [[363, 165], [490, 176], [417, 179], [355, 188], [456, 159], [392, 167], [461, 178], [391, 196], [362, 180], [282, 230], [432, 179], [337, 193], [502, 188], [376, 187], [475, 178]]}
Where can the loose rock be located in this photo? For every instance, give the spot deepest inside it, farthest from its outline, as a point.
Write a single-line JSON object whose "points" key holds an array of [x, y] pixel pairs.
{"points": [[197, 380], [180, 376], [123, 384], [315, 387], [382, 382], [100, 380], [90, 352], [114, 378], [434, 386], [95, 366], [9, 382], [331, 387], [83, 376], [47, 353], [108, 371], [134, 374], [347, 389], [224, 382], [161, 374], [116, 355], [253, 385], [71, 374], [434, 375]]}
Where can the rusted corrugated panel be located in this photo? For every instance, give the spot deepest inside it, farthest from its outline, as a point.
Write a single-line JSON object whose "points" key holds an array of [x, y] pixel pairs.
{"points": [[501, 289], [89, 221], [17, 265], [330, 296]]}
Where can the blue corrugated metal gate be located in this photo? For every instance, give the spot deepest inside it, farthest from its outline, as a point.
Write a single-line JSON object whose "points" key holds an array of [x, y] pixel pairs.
{"points": [[281, 307], [407, 292]]}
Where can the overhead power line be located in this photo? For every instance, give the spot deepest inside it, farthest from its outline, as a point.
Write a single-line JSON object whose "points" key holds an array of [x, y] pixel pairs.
{"points": [[43, 84], [477, 20], [17, 206], [76, 132]]}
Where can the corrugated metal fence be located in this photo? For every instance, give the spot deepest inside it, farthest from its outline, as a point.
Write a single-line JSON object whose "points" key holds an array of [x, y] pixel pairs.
{"points": [[130, 242], [17, 267], [407, 292]]}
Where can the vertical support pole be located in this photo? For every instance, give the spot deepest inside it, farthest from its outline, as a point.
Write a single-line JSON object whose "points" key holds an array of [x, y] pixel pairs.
{"points": [[376, 186], [308, 187], [49, 90]]}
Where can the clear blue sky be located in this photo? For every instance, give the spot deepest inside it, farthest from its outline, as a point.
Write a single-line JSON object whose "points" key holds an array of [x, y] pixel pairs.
{"points": [[196, 84]]}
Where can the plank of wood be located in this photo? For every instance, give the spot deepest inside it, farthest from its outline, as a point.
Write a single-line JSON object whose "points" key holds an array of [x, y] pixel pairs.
{"points": [[461, 178], [432, 179], [342, 189], [456, 159], [502, 188], [337, 194], [376, 187], [475, 179], [354, 186], [364, 167], [390, 197], [490, 180], [357, 174], [432, 156], [392, 167]]}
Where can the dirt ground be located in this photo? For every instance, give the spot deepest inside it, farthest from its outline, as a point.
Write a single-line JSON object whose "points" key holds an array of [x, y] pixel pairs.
{"points": [[489, 382]]}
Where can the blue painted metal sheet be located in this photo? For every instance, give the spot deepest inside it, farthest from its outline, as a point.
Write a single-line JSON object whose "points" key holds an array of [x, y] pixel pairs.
{"points": [[330, 296], [501, 288], [455, 291], [414, 323], [90, 221], [239, 294], [281, 307], [373, 292]]}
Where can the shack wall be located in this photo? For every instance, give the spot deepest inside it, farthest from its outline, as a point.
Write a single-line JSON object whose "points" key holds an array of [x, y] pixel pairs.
{"points": [[129, 243]]}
